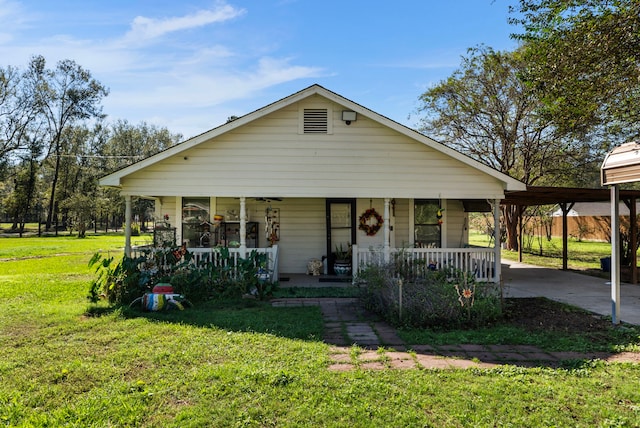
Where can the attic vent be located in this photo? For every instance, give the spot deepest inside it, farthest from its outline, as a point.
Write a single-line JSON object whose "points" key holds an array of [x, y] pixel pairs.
{"points": [[315, 121]]}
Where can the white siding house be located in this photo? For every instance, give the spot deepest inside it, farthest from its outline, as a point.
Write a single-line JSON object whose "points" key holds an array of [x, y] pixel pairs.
{"points": [[321, 168]]}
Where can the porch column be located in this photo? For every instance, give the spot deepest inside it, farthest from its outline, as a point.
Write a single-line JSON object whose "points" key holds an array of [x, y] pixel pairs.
{"points": [[496, 240], [127, 225], [387, 230], [243, 226]]}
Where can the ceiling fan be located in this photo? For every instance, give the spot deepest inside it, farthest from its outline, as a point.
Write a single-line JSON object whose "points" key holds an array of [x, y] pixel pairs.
{"points": [[268, 199]]}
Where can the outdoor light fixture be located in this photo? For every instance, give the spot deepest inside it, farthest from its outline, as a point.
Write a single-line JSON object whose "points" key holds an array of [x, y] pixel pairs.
{"points": [[349, 116]]}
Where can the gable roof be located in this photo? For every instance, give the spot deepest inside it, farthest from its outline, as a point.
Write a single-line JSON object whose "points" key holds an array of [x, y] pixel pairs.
{"points": [[114, 179]]}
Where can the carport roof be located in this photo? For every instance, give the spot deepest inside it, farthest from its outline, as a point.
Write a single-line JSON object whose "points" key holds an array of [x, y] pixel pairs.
{"points": [[540, 195]]}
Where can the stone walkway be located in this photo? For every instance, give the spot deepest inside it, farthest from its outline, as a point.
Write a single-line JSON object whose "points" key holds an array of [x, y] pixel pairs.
{"points": [[360, 340]]}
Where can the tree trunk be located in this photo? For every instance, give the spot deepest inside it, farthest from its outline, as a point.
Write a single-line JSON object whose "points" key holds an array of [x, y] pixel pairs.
{"points": [[511, 216], [52, 198]]}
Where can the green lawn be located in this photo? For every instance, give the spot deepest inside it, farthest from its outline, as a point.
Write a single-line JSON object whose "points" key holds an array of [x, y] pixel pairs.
{"points": [[581, 255], [244, 364]]}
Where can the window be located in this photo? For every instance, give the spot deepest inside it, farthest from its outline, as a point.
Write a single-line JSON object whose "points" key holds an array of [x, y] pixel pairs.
{"points": [[195, 222], [426, 228]]}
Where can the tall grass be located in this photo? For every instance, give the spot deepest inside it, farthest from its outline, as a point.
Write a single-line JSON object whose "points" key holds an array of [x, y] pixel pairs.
{"points": [[245, 364]]}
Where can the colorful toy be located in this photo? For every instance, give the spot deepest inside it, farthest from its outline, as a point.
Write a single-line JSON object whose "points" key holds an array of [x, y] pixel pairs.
{"points": [[161, 298]]}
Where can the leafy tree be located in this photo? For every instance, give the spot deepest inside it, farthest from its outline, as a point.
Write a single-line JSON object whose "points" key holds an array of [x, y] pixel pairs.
{"points": [[52, 135], [488, 112], [127, 144], [17, 114], [583, 61], [64, 96], [80, 209], [77, 173]]}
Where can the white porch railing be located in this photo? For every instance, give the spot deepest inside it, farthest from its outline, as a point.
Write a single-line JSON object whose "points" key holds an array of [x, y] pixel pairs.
{"points": [[202, 256], [479, 261]]}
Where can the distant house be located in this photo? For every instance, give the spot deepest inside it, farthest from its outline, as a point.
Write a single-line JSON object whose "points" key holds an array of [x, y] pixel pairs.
{"points": [[314, 172], [589, 221]]}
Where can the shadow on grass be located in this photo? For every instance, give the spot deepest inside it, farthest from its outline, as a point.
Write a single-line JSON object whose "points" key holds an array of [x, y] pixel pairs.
{"points": [[100, 311], [317, 292], [244, 315]]}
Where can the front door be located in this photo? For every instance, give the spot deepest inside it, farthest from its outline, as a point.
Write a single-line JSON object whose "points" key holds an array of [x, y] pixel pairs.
{"points": [[341, 227]]}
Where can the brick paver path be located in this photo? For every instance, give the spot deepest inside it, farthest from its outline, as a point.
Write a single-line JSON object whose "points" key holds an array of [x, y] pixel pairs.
{"points": [[379, 346]]}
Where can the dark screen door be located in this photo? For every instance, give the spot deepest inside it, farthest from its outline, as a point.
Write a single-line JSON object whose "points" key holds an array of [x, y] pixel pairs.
{"points": [[341, 227]]}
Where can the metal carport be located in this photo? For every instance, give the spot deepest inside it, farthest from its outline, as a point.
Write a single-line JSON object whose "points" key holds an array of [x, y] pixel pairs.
{"points": [[621, 165]]}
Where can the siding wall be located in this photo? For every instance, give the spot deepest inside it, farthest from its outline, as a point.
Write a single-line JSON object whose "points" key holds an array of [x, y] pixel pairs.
{"points": [[269, 157], [401, 235], [456, 226]]}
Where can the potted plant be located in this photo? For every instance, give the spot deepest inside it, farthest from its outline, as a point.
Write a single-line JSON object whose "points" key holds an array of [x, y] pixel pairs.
{"points": [[342, 263]]}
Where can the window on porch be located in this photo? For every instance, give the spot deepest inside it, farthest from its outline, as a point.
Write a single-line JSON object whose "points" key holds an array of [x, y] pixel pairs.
{"points": [[195, 222], [427, 230]]}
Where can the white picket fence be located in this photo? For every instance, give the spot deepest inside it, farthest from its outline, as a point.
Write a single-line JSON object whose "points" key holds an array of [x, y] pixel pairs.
{"points": [[479, 261]]}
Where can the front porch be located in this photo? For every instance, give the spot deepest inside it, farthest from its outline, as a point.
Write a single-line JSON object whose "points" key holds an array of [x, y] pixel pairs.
{"points": [[300, 247]]}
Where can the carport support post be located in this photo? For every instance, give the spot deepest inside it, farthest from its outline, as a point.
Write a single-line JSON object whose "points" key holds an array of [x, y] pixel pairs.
{"points": [[565, 247], [520, 209], [615, 255], [633, 222]]}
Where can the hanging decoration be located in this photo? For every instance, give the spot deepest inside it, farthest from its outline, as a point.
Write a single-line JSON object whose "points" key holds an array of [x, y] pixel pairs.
{"points": [[439, 215], [370, 222], [272, 224]]}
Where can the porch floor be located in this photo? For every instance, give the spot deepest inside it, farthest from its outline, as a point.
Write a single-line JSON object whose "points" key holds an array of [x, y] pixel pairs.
{"points": [[303, 280]]}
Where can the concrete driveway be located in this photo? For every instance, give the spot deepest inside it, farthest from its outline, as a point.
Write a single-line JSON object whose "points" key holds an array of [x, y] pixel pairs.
{"points": [[587, 292]]}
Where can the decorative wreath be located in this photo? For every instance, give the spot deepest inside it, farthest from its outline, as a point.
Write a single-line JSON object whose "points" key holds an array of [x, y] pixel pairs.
{"points": [[370, 229]]}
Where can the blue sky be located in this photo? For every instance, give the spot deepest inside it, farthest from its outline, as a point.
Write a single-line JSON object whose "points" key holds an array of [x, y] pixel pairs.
{"points": [[188, 65]]}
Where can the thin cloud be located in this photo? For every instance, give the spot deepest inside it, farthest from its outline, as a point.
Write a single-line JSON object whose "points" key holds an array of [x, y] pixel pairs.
{"points": [[145, 29], [213, 87], [10, 20]]}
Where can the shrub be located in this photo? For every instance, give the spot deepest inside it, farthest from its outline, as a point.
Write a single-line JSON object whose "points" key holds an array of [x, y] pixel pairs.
{"points": [[438, 298], [122, 282], [118, 281]]}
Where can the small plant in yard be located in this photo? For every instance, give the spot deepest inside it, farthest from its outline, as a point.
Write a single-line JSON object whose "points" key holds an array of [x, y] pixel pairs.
{"points": [[466, 292], [253, 275], [118, 281]]}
